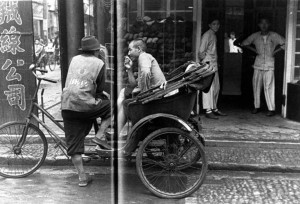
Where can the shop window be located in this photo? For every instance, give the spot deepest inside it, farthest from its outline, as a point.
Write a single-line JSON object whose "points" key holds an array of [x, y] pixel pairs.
{"points": [[249, 4], [264, 3], [298, 46], [297, 67], [155, 14], [183, 15], [212, 3], [154, 5], [133, 5], [297, 73], [181, 4], [281, 3], [167, 28], [298, 19], [298, 32]]}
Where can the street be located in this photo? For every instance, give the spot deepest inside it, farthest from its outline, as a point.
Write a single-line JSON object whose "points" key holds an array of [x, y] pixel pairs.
{"points": [[59, 185]]}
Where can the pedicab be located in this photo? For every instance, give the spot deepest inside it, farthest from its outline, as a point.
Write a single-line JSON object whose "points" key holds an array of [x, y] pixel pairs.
{"points": [[164, 138]]}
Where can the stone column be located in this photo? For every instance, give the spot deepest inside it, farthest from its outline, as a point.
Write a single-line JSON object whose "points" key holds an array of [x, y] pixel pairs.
{"points": [[71, 30]]}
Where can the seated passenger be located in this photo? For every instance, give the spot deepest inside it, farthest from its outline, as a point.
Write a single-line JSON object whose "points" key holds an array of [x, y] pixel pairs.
{"points": [[149, 75], [82, 102]]}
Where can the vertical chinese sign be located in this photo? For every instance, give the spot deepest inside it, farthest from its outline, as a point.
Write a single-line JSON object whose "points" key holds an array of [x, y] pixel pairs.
{"points": [[17, 84]]}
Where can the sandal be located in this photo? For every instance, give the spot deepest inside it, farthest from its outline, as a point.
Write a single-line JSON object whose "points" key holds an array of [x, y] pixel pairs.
{"points": [[85, 182]]}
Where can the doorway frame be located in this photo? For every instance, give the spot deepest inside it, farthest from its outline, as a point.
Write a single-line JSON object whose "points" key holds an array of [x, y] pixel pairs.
{"points": [[291, 21]]}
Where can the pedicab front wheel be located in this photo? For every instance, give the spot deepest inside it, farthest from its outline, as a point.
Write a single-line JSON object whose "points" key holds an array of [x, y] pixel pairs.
{"points": [[169, 172]]}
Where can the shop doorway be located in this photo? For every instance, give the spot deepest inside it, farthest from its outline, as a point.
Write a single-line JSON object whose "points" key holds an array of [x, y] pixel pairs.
{"points": [[241, 17]]}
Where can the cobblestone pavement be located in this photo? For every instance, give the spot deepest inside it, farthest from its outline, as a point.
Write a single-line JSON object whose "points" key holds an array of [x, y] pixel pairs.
{"points": [[240, 124], [252, 156], [59, 185], [248, 187]]}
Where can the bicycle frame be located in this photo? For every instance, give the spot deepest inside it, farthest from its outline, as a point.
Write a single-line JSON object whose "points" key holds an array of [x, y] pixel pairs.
{"points": [[31, 115]]}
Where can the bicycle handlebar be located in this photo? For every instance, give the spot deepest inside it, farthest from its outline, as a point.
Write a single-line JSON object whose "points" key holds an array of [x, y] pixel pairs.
{"points": [[41, 70], [33, 68]]}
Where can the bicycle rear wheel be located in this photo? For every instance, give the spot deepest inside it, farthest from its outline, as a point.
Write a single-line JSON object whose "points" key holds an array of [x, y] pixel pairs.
{"points": [[18, 162], [171, 171]]}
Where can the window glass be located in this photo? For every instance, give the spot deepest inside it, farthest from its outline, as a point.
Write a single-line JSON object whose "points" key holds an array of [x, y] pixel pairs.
{"points": [[264, 3], [155, 15], [248, 4], [298, 32], [185, 16], [155, 5], [298, 18], [212, 3], [167, 33], [297, 73], [297, 45], [181, 4], [133, 5], [132, 17], [297, 60]]}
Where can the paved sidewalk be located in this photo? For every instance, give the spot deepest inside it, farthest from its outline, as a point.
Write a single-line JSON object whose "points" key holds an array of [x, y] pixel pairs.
{"points": [[240, 124]]}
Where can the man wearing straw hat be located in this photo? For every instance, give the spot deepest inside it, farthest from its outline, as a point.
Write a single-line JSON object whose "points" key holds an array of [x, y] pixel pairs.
{"points": [[83, 102]]}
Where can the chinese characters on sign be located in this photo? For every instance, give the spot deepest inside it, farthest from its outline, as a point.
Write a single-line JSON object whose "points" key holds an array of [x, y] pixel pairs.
{"points": [[10, 43], [9, 12]]}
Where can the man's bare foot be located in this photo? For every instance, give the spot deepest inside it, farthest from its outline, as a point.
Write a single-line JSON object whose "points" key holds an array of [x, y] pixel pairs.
{"points": [[102, 143]]}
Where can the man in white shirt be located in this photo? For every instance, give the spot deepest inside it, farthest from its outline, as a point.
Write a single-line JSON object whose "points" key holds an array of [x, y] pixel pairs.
{"points": [[266, 43]]}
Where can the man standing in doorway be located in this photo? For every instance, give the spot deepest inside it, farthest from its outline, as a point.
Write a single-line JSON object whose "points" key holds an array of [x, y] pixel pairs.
{"points": [[208, 54], [267, 44]]}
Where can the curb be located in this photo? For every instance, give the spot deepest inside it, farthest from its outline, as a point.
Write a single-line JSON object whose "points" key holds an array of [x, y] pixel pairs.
{"points": [[230, 155]]}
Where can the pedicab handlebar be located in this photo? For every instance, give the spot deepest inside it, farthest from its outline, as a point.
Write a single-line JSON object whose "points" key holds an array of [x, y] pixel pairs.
{"points": [[33, 68]]}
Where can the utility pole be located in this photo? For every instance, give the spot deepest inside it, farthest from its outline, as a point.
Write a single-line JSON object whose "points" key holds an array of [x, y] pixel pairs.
{"points": [[71, 31]]}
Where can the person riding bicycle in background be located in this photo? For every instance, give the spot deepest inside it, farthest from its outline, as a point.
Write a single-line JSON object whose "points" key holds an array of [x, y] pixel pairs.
{"points": [[38, 49], [56, 45], [83, 102]]}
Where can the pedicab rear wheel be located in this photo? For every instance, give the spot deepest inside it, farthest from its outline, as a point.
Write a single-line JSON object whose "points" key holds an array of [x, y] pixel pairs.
{"points": [[169, 173]]}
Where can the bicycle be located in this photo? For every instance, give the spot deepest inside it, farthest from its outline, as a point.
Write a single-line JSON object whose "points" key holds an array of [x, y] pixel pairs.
{"points": [[23, 146], [51, 62]]}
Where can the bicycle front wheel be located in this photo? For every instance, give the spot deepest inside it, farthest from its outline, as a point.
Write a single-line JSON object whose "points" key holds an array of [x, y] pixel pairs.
{"points": [[17, 161]]}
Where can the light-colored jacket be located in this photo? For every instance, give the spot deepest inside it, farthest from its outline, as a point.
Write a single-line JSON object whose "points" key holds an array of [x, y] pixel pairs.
{"points": [[208, 47], [265, 49], [80, 89]]}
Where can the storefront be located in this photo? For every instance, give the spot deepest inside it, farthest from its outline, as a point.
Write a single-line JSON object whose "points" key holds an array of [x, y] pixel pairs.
{"points": [[173, 28], [291, 91]]}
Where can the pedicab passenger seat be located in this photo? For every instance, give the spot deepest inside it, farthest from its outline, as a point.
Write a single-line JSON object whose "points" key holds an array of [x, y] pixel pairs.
{"points": [[185, 80]]}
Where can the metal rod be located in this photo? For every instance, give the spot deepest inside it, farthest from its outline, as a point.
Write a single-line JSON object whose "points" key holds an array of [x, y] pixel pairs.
{"points": [[49, 116], [42, 101], [56, 136]]}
